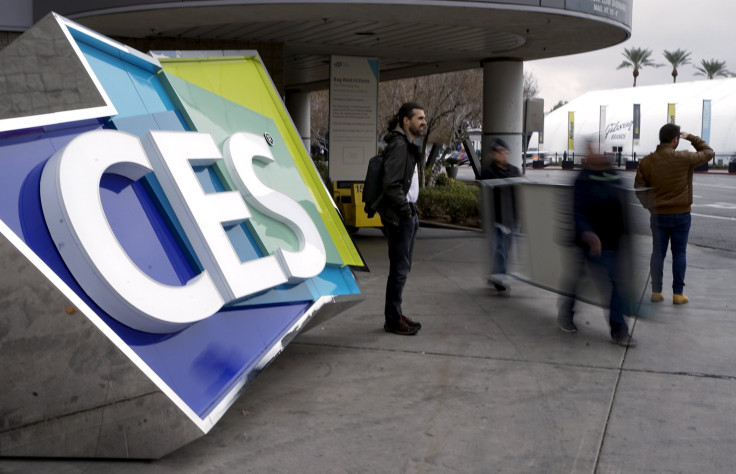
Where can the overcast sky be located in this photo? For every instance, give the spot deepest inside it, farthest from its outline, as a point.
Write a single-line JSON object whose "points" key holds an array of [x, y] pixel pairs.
{"points": [[705, 28]]}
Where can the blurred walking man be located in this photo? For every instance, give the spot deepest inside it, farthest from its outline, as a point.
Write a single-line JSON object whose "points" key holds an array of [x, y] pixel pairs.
{"points": [[398, 209], [670, 174], [601, 231]]}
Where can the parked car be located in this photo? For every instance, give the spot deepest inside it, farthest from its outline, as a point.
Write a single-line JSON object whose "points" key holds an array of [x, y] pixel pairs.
{"points": [[535, 156]]}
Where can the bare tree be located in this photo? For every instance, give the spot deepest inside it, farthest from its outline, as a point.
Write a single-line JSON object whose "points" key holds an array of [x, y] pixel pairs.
{"points": [[558, 105], [531, 86], [319, 104], [451, 101]]}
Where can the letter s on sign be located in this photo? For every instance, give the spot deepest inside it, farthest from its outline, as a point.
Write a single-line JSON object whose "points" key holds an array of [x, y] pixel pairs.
{"points": [[70, 197]]}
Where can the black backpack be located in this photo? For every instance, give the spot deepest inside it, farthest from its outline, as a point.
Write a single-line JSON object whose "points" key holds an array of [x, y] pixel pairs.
{"points": [[373, 186]]}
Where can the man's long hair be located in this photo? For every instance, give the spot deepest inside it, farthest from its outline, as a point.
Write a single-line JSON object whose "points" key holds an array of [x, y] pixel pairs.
{"points": [[668, 132], [405, 111]]}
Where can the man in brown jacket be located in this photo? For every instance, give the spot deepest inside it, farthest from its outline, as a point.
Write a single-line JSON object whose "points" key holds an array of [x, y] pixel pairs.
{"points": [[670, 175]]}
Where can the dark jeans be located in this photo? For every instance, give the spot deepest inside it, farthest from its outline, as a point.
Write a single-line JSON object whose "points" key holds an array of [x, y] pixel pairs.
{"points": [[401, 239], [610, 266], [608, 273], [666, 228]]}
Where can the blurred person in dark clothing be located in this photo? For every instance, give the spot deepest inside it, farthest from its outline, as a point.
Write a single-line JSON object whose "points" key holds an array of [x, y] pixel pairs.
{"points": [[600, 232], [504, 210]]}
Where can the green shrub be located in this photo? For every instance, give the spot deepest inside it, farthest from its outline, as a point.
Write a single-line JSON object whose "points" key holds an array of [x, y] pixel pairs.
{"points": [[443, 180], [324, 173], [453, 200]]}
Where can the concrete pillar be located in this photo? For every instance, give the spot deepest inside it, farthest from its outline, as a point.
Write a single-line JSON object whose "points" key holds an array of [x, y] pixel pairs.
{"points": [[297, 103], [503, 90]]}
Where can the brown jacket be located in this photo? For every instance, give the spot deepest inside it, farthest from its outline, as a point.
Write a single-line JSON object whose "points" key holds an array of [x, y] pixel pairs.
{"points": [[670, 174]]}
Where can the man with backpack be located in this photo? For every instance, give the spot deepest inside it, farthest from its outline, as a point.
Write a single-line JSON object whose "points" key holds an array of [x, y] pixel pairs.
{"points": [[398, 210]]}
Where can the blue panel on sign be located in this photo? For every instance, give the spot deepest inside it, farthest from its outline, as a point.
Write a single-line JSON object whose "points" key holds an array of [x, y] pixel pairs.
{"points": [[149, 89], [158, 197], [169, 120], [202, 362], [243, 243], [142, 231], [139, 125], [208, 179], [116, 82], [335, 281], [127, 85], [299, 292], [19, 156]]}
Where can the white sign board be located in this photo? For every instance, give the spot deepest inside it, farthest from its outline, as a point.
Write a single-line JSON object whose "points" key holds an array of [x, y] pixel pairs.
{"points": [[353, 116]]}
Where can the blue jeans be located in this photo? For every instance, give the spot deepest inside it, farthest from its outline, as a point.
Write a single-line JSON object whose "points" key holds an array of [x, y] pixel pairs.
{"points": [[666, 228], [401, 239], [502, 246]]}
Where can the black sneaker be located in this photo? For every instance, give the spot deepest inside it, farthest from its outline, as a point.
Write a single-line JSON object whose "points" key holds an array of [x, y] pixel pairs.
{"points": [[564, 321], [498, 284], [624, 339], [411, 323], [400, 327]]}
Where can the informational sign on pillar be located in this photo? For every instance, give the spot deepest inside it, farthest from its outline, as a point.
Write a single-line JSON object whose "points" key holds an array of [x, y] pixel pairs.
{"points": [[353, 116], [533, 120], [670, 113]]}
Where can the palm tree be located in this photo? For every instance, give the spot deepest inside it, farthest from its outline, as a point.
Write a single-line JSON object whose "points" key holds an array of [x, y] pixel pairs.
{"points": [[712, 69], [676, 58], [638, 58]]}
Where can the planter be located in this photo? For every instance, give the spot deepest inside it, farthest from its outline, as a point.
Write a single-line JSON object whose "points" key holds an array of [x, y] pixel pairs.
{"points": [[631, 164], [732, 167], [703, 167], [568, 164], [451, 171], [536, 164]]}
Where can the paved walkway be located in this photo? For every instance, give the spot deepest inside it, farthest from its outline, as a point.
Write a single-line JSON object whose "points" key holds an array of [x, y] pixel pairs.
{"points": [[490, 384]]}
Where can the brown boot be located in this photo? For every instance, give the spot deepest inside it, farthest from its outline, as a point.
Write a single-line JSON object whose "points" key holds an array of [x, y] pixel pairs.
{"points": [[400, 327], [679, 299]]}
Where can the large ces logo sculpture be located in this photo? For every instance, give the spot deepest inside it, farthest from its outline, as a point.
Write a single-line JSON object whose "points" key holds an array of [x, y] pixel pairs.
{"points": [[172, 203], [69, 193]]}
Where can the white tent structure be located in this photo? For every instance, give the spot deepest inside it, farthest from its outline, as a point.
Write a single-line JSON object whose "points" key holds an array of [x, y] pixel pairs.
{"points": [[609, 115]]}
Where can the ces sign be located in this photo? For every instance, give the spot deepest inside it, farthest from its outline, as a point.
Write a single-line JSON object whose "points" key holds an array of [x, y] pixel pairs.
{"points": [[70, 197]]}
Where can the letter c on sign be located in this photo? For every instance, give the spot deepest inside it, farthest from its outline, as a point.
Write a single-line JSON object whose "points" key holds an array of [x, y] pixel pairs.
{"points": [[70, 197]]}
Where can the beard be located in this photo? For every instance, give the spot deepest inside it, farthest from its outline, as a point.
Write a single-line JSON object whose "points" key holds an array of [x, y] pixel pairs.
{"points": [[416, 131]]}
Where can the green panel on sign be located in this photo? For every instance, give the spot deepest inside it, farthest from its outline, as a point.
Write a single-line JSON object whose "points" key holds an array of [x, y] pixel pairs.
{"points": [[207, 112], [244, 81]]}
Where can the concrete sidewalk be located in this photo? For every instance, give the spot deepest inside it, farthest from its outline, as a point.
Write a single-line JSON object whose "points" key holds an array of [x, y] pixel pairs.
{"points": [[490, 384]]}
